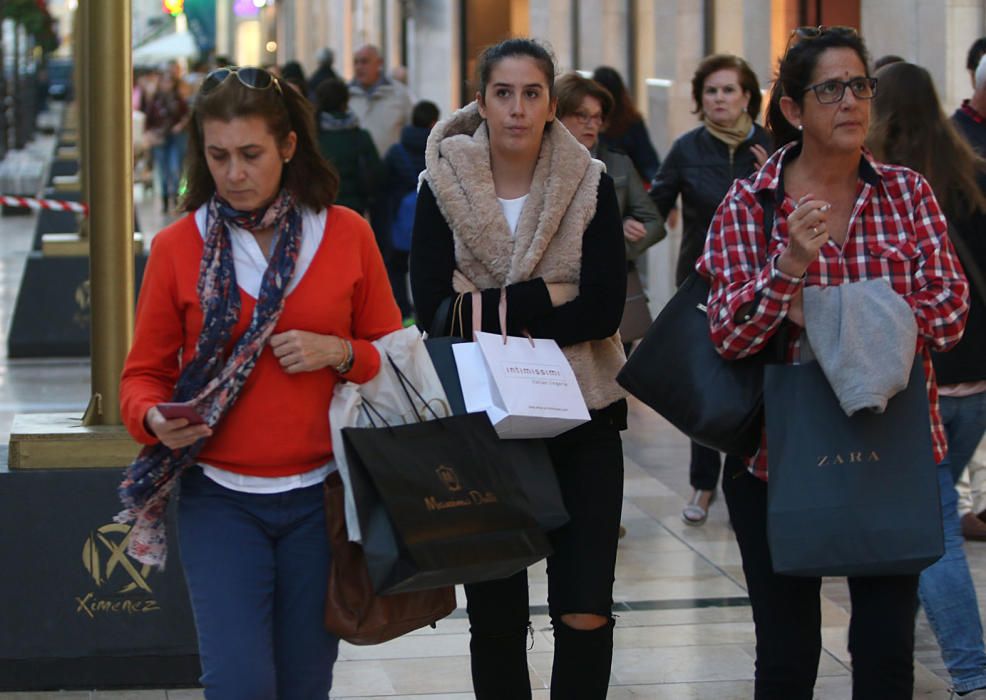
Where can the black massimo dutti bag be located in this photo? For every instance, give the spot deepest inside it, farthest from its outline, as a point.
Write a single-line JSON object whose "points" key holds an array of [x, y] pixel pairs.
{"points": [[677, 371], [528, 459], [849, 496], [436, 504]]}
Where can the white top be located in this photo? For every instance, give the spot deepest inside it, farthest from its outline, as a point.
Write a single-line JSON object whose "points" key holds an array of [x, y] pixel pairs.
{"points": [[511, 210], [250, 265]]}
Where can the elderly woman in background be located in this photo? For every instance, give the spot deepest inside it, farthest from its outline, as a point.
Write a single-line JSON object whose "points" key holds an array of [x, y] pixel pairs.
{"points": [[700, 167]]}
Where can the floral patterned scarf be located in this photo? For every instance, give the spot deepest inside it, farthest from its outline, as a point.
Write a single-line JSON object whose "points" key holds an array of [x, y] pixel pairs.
{"points": [[210, 384]]}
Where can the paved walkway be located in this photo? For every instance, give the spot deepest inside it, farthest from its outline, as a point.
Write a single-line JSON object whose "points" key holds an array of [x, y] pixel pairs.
{"points": [[684, 630]]}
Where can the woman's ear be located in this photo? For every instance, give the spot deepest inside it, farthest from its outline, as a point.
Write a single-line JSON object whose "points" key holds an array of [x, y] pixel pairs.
{"points": [[552, 109], [481, 103], [289, 146], [791, 111]]}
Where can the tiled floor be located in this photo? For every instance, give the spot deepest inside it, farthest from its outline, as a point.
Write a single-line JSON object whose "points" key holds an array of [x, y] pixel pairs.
{"points": [[684, 630]]}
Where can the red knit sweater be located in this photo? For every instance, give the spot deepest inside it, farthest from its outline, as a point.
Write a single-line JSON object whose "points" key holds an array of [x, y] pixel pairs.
{"points": [[279, 425]]}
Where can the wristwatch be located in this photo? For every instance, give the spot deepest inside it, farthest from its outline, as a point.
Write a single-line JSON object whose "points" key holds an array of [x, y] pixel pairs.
{"points": [[347, 362]]}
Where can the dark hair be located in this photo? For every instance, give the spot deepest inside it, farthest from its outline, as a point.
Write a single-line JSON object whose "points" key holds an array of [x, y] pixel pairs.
{"points": [[624, 113], [293, 73], [909, 128], [531, 48], [332, 95], [886, 61], [424, 114], [572, 88], [975, 54], [724, 61], [794, 74], [312, 181]]}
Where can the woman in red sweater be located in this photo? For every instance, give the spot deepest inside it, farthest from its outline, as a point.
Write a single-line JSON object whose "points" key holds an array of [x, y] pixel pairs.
{"points": [[252, 307]]}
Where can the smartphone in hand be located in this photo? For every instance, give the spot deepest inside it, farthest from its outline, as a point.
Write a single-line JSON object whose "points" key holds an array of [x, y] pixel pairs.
{"points": [[181, 410]]}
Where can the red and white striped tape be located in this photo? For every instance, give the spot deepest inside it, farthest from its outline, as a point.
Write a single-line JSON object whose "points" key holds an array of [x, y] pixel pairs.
{"points": [[55, 204]]}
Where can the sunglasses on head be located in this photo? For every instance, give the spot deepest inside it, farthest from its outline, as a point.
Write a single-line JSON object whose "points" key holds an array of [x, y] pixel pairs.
{"points": [[253, 78], [799, 34]]}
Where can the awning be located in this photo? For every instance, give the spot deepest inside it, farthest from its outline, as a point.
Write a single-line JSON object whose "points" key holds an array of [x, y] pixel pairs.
{"points": [[177, 45]]}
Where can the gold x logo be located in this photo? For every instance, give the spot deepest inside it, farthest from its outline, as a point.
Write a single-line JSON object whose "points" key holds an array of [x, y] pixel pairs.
{"points": [[112, 540]]}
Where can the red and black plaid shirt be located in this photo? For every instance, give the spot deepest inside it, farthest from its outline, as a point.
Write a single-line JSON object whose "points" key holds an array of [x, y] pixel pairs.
{"points": [[896, 231]]}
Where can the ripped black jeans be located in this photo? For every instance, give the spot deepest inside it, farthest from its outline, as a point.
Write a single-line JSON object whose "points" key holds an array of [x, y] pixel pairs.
{"points": [[589, 463]]}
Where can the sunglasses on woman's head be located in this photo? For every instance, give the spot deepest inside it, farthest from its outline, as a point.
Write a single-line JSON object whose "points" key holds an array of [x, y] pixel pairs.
{"points": [[799, 34], [253, 78]]}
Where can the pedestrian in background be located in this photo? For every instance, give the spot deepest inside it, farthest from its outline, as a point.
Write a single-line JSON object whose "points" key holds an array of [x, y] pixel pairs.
{"points": [[348, 147], [910, 129], [167, 115], [584, 107], [403, 163], [503, 176], [700, 168], [625, 129], [293, 74], [252, 307], [839, 218]]}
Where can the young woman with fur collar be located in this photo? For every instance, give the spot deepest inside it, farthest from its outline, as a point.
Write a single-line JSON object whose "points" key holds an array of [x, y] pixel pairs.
{"points": [[512, 200]]}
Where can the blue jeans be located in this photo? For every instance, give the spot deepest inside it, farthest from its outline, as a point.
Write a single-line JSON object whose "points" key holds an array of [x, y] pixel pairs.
{"points": [[946, 589], [257, 567], [168, 160]]}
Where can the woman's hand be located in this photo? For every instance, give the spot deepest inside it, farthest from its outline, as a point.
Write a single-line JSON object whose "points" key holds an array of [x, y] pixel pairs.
{"points": [[175, 433], [303, 351], [561, 292], [760, 154], [807, 234], [633, 230]]}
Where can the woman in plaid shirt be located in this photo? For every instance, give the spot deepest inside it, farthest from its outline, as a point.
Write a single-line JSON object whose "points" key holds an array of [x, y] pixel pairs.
{"points": [[840, 217]]}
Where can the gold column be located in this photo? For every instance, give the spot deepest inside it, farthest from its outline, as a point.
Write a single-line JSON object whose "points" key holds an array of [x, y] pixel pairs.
{"points": [[111, 214]]}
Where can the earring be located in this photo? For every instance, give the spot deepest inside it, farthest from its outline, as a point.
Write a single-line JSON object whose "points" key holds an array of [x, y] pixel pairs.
{"points": [[288, 160], [800, 127]]}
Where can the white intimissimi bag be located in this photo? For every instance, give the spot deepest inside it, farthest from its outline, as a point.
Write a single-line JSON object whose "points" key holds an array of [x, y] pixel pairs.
{"points": [[525, 385], [407, 350]]}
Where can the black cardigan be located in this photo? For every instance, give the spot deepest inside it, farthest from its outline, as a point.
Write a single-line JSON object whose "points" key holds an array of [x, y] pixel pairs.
{"points": [[594, 314]]}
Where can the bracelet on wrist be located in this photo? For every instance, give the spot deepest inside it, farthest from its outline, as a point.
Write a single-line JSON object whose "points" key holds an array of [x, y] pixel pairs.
{"points": [[347, 363]]}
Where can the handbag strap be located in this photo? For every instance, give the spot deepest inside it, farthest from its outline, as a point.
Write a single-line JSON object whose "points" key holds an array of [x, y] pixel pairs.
{"points": [[405, 385], [972, 270], [477, 313]]}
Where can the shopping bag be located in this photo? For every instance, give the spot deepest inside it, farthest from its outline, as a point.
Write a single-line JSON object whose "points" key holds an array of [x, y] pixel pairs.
{"points": [[525, 385], [529, 459], [405, 349], [849, 496], [437, 504]]}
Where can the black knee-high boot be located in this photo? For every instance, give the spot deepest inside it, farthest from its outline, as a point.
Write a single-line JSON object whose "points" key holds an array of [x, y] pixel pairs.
{"points": [[499, 665], [583, 659]]}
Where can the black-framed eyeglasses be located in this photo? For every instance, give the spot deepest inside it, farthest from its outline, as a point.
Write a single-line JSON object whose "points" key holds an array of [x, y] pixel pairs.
{"points": [[832, 91], [253, 78]]}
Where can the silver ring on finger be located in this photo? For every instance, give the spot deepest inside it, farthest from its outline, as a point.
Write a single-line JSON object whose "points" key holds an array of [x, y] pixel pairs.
{"points": [[814, 230]]}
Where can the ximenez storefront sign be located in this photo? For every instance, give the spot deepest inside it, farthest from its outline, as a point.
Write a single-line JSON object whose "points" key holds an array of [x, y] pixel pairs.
{"points": [[76, 610]]}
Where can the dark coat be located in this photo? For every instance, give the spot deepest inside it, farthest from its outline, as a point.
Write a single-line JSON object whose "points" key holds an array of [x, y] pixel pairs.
{"points": [[698, 167], [351, 151]]}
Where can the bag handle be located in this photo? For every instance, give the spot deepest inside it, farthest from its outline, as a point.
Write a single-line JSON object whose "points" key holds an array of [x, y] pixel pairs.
{"points": [[367, 407], [477, 313], [405, 384]]}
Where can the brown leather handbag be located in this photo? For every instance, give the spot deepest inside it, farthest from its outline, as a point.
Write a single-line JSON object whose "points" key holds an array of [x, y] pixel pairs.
{"points": [[353, 612]]}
